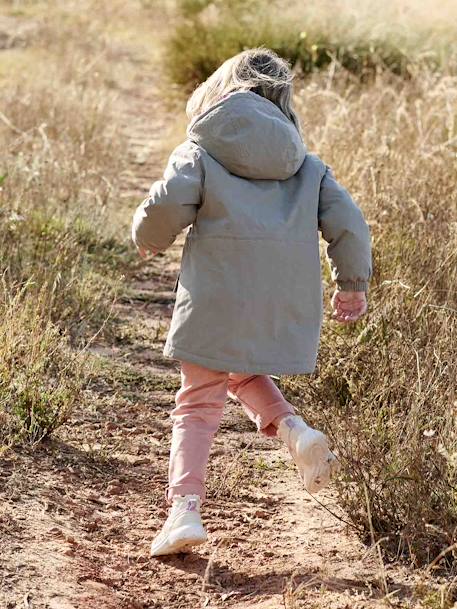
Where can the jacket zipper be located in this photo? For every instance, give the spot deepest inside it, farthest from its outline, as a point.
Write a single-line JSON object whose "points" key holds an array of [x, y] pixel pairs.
{"points": [[186, 243]]}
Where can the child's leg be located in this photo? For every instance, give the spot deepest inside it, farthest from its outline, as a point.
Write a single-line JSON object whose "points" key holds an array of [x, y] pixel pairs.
{"points": [[268, 408], [263, 402], [199, 408]]}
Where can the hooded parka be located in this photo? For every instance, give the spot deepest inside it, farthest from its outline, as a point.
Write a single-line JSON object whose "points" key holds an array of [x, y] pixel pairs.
{"points": [[249, 296]]}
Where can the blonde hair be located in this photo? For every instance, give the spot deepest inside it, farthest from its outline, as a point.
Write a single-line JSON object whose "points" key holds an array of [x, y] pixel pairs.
{"points": [[259, 70]]}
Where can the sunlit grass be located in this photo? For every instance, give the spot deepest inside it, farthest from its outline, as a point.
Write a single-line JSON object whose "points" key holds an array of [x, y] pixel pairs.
{"points": [[361, 38], [384, 390]]}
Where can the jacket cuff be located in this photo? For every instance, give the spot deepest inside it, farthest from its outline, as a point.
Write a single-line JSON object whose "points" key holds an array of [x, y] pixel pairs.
{"points": [[353, 286]]}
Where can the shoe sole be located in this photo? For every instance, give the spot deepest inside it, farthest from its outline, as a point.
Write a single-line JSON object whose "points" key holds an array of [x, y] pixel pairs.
{"points": [[183, 544]]}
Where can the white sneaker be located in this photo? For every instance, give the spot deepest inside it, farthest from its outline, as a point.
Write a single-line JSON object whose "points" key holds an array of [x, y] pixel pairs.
{"points": [[309, 449], [182, 529]]}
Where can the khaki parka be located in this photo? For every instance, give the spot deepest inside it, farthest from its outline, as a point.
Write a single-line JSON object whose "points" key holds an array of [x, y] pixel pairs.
{"points": [[249, 296]]}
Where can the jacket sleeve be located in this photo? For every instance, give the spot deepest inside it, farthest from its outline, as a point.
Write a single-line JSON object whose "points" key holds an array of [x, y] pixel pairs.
{"points": [[347, 234], [172, 203]]}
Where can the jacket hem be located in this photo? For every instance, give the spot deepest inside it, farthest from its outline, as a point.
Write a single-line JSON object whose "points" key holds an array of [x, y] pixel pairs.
{"points": [[230, 366]]}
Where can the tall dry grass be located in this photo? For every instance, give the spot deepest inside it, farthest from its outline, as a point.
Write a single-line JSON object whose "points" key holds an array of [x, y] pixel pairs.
{"points": [[363, 37], [62, 248], [385, 389], [40, 377]]}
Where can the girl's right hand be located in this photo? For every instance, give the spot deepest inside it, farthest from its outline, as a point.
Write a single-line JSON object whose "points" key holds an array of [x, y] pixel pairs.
{"points": [[348, 307]]}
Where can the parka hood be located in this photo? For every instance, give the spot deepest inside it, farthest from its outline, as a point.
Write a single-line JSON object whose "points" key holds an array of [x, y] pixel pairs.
{"points": [[250, 136]]}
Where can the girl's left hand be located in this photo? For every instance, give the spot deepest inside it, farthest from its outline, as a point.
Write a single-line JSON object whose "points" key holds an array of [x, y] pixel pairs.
{"points": [[348, 306]]}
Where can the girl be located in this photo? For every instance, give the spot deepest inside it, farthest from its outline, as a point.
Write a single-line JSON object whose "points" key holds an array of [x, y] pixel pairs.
{"points": [[249, 295]]}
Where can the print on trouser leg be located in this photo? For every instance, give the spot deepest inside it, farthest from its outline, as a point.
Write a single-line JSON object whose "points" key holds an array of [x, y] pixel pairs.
{"points": [[199, 409], [261, 399]]}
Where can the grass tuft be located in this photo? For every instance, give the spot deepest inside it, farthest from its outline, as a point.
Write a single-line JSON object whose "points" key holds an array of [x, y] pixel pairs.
{"points": [[41, 378]]}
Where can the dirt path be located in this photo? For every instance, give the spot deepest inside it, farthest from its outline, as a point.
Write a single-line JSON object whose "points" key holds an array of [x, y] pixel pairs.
{"points": [[78, 513]]}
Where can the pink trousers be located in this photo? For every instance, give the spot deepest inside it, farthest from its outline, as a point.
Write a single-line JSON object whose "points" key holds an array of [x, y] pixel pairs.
{"points": [[199, 407]]}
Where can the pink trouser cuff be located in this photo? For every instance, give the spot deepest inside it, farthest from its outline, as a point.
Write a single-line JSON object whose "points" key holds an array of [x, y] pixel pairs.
{"points": [[264, 421], [261, 399]]}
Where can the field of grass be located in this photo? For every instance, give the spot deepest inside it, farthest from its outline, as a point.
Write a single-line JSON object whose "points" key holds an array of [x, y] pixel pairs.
{"points": [[62, 247], [386, 388], [376, 92], [403, 37]]}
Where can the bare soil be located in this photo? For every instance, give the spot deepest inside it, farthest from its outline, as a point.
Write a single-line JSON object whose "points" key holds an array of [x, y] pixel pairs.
{"points": [[79, 511]]}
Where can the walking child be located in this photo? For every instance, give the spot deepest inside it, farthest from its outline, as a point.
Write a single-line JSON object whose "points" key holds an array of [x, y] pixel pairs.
{"points": [[249, 295]]}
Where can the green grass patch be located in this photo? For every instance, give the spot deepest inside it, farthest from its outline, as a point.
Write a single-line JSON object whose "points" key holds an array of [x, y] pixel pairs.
{"points": [[41, 378]]}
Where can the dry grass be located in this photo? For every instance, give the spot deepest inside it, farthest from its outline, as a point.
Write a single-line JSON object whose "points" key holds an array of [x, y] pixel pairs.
{"points": [[62, 247], [364, 38], [385, 388], [40, 377]]}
